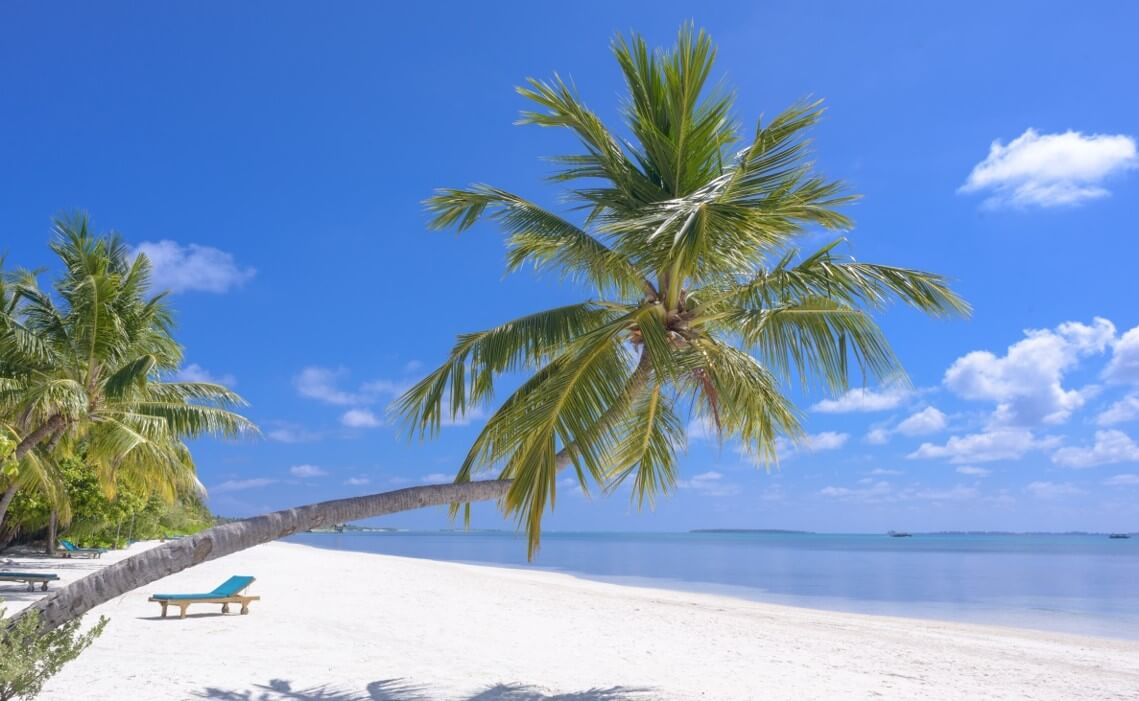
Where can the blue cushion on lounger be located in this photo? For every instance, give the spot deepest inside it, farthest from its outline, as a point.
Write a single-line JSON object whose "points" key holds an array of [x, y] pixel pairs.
{"points": [[230, 587]]}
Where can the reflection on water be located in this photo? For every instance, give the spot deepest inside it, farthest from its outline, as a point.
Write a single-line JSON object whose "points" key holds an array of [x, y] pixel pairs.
{"points": [[1080, 584]]}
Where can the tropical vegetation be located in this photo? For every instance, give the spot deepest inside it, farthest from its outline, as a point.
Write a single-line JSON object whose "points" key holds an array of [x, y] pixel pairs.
{"points": [[689, 233], [90, 406]]}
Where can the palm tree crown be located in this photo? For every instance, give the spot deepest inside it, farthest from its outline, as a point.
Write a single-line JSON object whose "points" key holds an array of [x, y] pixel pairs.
{"points": [[704, 303], [86, 369]]}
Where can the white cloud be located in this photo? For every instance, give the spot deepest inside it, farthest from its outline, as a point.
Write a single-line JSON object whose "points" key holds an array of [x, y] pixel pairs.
{"points": [[324, 384], [196, 373], [1124, 364], [571, 485], [1124, 480], [356, 481], [973, 471], [1026, 383], [192, 267], [1048, 170], [1053, 490], [809, 443], [864, 400], [1122, 411], [1004, 444], [956, 493], [878, 436], [360, 418], [928, 420], [709, 484], [239, 485], [378, 388], [305, 471], [701, 429], [882, 491], [321, 383], [876, 491], [437, 477], [284, 432], [1110, 447], [921, 423], [879, 471], [827, 440]]}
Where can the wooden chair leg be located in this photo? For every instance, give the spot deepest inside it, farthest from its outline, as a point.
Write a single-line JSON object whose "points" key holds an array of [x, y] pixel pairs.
{"points": [[163, 605], [244, 607], [44, 587], [183, 607], [31, 587], [225, 608]]}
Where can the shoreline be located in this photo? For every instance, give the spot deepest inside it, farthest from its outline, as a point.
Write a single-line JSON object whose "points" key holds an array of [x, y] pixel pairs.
{"points": [[1086, 616], [371, 626], [723, 594]]}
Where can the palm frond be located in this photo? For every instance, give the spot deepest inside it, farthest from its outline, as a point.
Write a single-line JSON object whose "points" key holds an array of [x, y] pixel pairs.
{"points": [[817, 338], [192, 420], [822, 274], [742, 396], [537, 236], [466, 379], [647, 451]]}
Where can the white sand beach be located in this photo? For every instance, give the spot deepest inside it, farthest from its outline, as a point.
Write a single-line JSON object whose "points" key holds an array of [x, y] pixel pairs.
{"points": [[341, 626]]}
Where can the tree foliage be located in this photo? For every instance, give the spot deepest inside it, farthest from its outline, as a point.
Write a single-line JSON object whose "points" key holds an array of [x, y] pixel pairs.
{"points": [[689, 232], [29, 655], [87, 368], [132, 512]]}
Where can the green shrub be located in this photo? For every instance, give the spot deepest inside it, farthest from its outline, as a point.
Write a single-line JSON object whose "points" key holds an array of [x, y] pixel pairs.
{"points": [[102, 520], [30, 656]]}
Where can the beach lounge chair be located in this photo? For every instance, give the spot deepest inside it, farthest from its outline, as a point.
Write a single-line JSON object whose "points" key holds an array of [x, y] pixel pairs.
{"points": [[30, 578], [71, 549], [228, 593]]}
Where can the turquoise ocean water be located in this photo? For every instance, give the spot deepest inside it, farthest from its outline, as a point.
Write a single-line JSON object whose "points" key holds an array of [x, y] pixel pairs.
{"points": [[1071, 583]]}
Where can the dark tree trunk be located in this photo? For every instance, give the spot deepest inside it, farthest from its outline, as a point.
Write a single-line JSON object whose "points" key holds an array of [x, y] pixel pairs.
{"points": [[114, 580], [6, 499], [52, 524], [37, 436]]}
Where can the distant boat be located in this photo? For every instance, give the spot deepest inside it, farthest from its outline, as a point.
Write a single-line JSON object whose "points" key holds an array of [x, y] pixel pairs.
{"points": [[1119, 536], [900, 534]]}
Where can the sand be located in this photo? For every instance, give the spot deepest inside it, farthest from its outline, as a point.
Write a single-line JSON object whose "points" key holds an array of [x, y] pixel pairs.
{"points": [[340, 626]]}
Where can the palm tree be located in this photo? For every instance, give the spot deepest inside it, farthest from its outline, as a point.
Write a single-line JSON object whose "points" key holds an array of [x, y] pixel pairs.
{"points": [[87, 371], [35, 468], [703, 302]]}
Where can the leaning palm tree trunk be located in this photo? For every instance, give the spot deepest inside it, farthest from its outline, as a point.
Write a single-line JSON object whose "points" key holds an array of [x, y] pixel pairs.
{"points": [[6, 499], [80, 597]]}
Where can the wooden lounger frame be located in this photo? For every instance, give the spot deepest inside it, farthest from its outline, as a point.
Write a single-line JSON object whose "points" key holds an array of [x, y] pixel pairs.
{"points": [[30, 580], [225, 601]]}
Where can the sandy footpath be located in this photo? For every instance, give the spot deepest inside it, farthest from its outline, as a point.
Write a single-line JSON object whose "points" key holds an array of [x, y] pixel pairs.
{"points": [[341, 626]]}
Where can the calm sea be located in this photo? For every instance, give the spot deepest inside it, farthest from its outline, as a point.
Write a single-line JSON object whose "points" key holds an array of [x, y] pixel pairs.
{"points": [[1071, 583]]}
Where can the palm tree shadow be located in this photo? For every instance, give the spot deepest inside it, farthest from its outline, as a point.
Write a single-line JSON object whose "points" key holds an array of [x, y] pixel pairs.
{"points": [[402, 690]]}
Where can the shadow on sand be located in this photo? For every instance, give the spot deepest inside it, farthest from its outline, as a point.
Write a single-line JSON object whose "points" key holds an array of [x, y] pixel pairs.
{"points": [[401, 690]]}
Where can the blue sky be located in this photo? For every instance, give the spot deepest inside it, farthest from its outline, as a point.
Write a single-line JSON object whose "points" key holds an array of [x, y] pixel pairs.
{"points": [[272, 158]]}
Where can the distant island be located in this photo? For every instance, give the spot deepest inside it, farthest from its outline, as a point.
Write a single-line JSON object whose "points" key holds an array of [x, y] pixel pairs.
{"points": [[780, 531], [750, 530], [349, 528]]}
